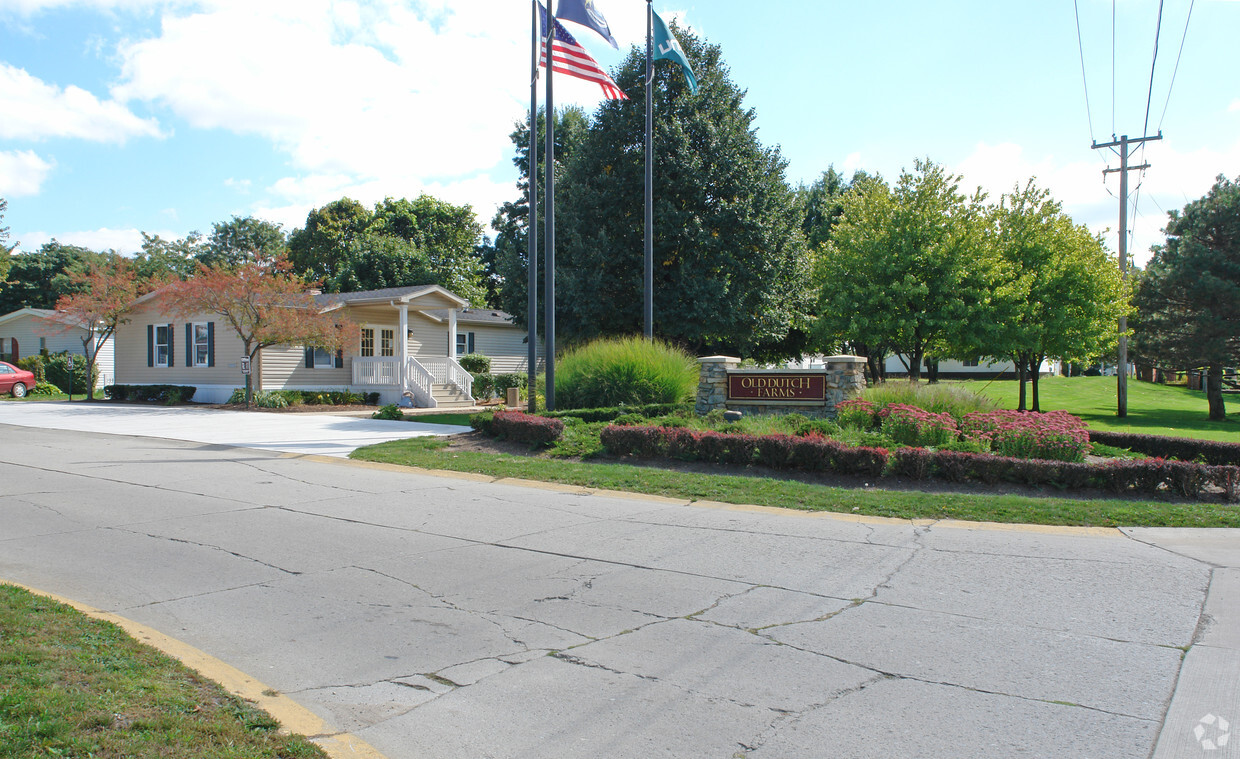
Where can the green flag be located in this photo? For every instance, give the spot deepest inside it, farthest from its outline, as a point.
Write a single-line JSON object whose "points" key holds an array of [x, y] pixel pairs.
{"points": [[666, 47]]}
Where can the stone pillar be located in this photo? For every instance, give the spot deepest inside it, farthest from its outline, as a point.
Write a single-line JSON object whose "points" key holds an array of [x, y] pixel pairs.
{"points": [[713, 382], [845, 378]]}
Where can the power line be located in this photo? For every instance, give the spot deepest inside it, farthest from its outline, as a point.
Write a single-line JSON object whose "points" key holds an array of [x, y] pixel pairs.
{"points": [[1112, 69], [1177, 64], [1081, 47], [1153, 61]]}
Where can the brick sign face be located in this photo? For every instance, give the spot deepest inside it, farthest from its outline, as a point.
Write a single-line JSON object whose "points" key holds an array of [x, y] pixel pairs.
{"points": [[756, 386]]}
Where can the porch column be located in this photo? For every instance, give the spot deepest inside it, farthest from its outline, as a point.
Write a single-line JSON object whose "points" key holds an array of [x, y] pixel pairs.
{"points": [[404, 346], [452, 333]]}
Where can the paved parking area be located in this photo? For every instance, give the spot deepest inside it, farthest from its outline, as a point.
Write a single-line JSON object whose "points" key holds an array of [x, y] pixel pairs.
{"points": [[325, 434]]}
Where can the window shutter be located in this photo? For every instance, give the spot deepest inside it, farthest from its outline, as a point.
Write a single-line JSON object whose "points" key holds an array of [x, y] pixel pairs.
{"points": [[150, 345], [340, 359], [171, 353], [189, 344], [210, 343], [14, 350], [470, 349], [309, 356]]}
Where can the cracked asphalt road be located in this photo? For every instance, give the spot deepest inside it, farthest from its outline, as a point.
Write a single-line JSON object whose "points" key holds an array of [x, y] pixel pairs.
{"points": [[437, 616]]}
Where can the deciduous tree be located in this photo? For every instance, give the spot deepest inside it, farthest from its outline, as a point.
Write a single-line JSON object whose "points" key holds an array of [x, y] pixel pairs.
{"points": [[39, 278], [1189, 299], [106, 296], [265, 304], [242, 240]]}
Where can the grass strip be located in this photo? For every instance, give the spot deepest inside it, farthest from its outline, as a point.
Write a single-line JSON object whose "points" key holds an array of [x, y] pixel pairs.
{"points": [[76, 686], [431, 453]]}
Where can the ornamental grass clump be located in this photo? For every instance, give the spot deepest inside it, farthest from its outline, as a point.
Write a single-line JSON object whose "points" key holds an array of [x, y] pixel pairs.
{"points": [[941, 398], [625, 371], [1055, 435], [909, 425]]}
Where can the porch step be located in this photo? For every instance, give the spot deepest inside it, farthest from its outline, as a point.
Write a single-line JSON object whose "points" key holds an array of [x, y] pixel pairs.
{"points": [[448, 396]]}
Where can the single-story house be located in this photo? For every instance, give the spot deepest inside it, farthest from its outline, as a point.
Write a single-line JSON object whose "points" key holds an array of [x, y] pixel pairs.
{"points": [[30, 331], [981, 368], [149, 349], [491, 332]]}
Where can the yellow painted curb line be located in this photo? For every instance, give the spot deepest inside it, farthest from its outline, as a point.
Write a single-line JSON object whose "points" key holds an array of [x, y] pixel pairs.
{"points": [[293, 717], [839, 516]]}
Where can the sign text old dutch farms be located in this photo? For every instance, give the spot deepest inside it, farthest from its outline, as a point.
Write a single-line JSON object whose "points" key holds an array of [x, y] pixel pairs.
{"points": [[777, 386]]}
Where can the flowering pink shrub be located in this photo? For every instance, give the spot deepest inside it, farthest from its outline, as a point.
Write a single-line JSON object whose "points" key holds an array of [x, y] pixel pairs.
{"points": [[1055, 435], [909, 425], [857, 413]]}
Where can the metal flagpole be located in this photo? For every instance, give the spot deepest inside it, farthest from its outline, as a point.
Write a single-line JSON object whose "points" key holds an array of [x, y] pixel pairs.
{"points": [[549, 238], [648, 277], [532, 254]]}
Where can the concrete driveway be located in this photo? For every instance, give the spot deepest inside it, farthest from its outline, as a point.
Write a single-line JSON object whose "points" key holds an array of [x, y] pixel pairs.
{"points": [[326, 434], [449, 617]]}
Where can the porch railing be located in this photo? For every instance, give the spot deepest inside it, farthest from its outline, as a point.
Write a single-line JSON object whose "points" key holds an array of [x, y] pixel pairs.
{"points": [[420, 383], [376, 371], [448, 371], [421, 375]]}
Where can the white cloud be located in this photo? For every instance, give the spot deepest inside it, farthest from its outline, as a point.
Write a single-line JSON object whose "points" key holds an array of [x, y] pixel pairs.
{"points": [[1174, 179], [128, 241], [35, 110], [22, 172], [1234, 107]]}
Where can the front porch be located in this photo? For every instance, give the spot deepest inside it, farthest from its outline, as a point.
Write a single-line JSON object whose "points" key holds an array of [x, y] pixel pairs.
{"points": [[432, 381]]}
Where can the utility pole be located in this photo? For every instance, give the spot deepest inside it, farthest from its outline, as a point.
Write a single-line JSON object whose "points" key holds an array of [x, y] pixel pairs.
{"points": [[1124, 151]]}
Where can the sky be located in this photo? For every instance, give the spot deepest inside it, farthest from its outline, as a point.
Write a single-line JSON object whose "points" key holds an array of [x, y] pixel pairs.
{"points": [[164, 116]]}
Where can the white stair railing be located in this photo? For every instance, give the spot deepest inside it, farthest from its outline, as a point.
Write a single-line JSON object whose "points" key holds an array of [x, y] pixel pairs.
{"points": [[420, 384], [448, 372]]}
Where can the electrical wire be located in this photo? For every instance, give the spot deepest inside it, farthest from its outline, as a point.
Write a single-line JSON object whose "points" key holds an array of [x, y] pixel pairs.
{"points": [[1080, 45], [1112, 69], [1177, 65], [1153, 61]]}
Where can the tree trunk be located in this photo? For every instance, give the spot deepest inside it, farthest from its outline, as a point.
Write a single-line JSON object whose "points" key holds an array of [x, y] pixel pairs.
{"points": [[1019, 361], [1035, 366], [932, 371], [914, 365], [1214, 393]]}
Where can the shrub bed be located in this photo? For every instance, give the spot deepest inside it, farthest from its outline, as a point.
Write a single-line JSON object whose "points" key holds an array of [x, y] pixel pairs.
{"points": [[169, 394], [611, 413], [818, 454], [1187, 449]]}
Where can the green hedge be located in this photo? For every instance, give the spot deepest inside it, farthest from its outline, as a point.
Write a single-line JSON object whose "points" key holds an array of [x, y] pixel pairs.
{"points": [[169, 394], [614, 412]]}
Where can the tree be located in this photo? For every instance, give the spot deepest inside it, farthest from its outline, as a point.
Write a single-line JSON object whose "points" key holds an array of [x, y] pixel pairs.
{"points": [[906, 267], [5, 250], [107, 295], [167, 259], [40, 278], [242, 240], [1056, 292], [1189, 299], [317, 250], [730, 271], [824, 204], [265, 305], [373, 262]]}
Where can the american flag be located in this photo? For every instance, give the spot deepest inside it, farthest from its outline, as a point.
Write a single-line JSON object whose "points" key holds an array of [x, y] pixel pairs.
{"points": [[569, 57]]}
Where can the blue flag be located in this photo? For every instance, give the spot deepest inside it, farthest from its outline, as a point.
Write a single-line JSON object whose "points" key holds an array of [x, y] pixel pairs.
{"points": [[666, 47], [585, 13]]}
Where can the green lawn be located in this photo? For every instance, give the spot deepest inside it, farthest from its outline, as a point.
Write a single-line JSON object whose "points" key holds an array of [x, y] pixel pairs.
{"points": [[76, 686], [1152, 409]]}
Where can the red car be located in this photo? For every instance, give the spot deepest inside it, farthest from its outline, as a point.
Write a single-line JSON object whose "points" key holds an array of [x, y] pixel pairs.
{"points": [[14, 380]]}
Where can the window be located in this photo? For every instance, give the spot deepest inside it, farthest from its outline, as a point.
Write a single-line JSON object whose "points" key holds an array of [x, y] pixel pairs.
{"points": [[387, 342], [163, 344], [464, 343], [368, 341], [201, 334], [971, 362], [323, 359]]}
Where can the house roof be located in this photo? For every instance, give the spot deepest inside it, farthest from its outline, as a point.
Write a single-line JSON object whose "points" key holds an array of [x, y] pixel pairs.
{"points": [[475, 316], [386, 295], [41, 313]]}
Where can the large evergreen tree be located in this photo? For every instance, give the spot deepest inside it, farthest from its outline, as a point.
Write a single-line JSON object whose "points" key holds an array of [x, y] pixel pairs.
{"points": [[1189, 300], [38, 279], [729, 255]]}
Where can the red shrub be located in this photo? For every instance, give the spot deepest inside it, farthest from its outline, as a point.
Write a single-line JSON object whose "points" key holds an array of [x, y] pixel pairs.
{"points": [[524, 428]]}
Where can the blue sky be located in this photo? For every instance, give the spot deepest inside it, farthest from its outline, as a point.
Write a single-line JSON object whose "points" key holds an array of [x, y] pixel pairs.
{"points": [[164, 116]]}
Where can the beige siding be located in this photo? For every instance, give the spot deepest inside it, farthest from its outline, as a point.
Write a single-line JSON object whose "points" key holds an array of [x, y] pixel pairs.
{"points": [[285, 367], [504, 345], [131, 354], [429, 337]]}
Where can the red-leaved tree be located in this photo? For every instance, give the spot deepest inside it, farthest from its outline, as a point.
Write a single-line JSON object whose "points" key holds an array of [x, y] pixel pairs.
{"points": [[108, 293], [265, 304]]}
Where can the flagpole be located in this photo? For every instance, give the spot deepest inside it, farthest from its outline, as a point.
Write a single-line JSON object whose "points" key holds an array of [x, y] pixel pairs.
{"points": [[648, 277], [532, 253], [549, 237]]}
